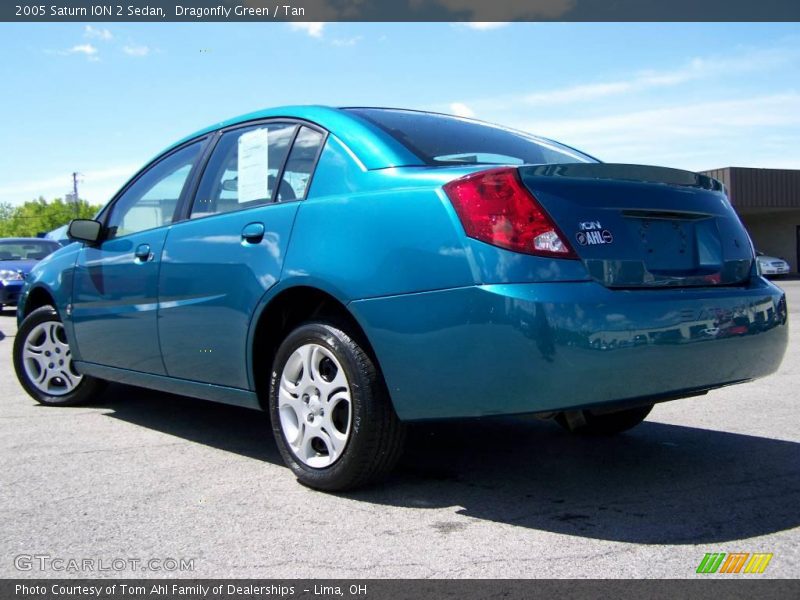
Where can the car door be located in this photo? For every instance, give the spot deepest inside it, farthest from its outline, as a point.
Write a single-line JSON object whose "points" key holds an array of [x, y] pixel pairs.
{"points": [[219, 262], [115, 287]]}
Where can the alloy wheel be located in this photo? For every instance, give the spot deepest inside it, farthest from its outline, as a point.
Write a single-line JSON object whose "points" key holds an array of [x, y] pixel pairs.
{"points": [[315, 405], [47, 360]]}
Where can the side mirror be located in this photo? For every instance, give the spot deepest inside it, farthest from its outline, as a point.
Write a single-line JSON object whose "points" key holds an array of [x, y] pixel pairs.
{"points": [[84, 230]]}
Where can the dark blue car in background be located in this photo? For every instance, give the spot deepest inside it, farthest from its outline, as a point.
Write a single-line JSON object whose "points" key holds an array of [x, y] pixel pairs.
{"points": [[17, 257]]}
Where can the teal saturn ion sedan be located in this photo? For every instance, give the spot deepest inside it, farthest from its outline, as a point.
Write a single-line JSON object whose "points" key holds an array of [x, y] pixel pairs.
{"points": [[350, 270]]}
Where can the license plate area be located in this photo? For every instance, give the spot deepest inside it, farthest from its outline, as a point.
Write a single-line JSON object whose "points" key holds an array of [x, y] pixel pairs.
{"points": [[668, 245]]}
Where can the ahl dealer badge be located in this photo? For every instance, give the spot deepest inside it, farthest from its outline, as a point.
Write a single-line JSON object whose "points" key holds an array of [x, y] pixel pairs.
{"points": [[592, 233]]}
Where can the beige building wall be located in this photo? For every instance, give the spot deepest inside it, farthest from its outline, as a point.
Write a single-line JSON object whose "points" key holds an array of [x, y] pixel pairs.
{"points": [[775, 233]]}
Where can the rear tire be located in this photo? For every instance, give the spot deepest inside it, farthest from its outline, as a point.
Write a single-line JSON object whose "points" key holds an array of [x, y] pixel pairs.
{"points": [[331, 414], [586, 422], [43, 362]]}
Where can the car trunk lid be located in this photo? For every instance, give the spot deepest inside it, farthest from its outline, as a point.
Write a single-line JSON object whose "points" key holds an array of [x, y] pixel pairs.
{"points": [[641, 226]]}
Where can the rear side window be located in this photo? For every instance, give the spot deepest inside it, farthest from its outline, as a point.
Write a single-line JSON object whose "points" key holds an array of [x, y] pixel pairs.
{"points": [[243, 169], [300, 165], [444, 140]]}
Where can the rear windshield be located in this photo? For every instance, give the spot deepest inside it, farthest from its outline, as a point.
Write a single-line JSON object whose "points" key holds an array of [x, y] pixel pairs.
{"points": [[444, 140], [26, 249]]}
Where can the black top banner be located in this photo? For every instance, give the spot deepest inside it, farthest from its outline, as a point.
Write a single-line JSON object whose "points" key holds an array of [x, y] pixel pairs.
{"points": [[399, 10]]}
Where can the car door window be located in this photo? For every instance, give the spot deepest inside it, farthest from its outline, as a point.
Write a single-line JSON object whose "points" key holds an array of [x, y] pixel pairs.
{"points": [[150, 202], [243, 169], [302, 158]]}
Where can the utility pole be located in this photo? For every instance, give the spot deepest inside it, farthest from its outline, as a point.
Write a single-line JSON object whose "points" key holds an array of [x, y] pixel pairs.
{"points": [[75, 192]]}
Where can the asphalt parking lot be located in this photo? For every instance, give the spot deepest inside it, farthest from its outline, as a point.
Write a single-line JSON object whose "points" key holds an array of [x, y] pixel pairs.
{"points": [[144, 475]]}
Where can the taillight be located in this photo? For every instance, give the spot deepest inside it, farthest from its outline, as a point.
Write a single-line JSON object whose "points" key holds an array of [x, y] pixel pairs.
{"points": [[495, 207]]}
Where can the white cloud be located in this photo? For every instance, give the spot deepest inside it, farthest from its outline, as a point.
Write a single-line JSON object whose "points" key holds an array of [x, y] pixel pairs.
{"points": [[110, 173], [313, 29], [686, 119], [695, 136], [35, 188], [696, 69], [97, 33], [700, 114], [133, 50], [577, 93], [96, 185], [485, 25], [461, 110], [86, 49], [347, 42]]}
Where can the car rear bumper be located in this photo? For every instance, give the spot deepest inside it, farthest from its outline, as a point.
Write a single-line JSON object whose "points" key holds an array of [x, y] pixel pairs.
{"points": [[506, 349]]}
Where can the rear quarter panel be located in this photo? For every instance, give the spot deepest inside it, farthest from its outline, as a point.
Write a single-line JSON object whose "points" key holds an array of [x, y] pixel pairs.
{"points": [[375, 233]]}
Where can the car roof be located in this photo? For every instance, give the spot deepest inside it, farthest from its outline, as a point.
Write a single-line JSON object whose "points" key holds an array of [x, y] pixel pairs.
{"points": [[374, 148]]}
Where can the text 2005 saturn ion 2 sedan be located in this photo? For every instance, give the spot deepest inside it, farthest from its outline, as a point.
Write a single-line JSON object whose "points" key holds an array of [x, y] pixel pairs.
{"points": [[350, 270]]}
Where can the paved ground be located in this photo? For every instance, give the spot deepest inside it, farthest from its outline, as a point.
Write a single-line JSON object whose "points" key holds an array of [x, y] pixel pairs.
{"points": [[146, 475]]}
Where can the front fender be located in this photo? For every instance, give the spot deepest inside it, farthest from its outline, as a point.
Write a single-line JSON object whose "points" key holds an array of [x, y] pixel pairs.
{"points": [[53, 275]]}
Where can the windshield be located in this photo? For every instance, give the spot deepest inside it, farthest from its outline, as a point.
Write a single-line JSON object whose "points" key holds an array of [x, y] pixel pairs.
{"points": [[445, 140], [26, 250]]}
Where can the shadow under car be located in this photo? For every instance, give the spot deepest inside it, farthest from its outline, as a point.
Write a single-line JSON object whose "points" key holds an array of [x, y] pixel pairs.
{"points": [[657, 484]]}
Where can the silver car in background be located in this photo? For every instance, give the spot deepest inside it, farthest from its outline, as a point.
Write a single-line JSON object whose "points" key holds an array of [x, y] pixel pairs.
{"points": [[772, 265]]}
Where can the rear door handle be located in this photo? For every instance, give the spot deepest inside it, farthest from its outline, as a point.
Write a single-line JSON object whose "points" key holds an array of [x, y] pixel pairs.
{"points": [[142, 253], [253, 233]]}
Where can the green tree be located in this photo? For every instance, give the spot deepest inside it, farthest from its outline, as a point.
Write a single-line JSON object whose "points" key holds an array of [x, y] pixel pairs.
{"points": [[6, 210], [40, 216]]}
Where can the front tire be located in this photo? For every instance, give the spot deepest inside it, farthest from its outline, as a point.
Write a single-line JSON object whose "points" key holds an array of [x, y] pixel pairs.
{"points": [[331, 414], [587, 422], [43, 362]]}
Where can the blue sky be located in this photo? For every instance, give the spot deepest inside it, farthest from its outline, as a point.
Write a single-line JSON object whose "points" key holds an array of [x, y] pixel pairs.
{"points": [[103, 99]]}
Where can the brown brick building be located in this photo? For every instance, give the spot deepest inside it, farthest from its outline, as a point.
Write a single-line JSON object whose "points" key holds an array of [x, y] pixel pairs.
{"points": [[768, 202]]}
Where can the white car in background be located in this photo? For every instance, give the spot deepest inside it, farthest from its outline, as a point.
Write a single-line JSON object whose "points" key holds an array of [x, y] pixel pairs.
{"points": [[772, 265]]}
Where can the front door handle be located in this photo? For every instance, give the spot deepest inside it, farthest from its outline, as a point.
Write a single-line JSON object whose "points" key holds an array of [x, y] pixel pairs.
{"points": [[142, 253], [253, 233]]}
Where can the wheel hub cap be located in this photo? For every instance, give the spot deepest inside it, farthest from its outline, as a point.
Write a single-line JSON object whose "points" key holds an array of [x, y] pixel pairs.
{"points": [[47, 360], [314, 405]]}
